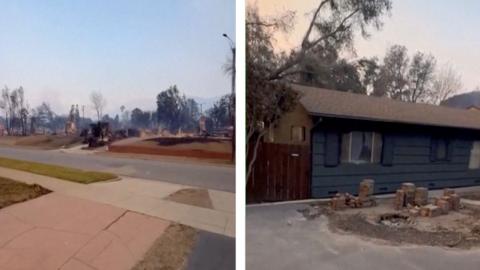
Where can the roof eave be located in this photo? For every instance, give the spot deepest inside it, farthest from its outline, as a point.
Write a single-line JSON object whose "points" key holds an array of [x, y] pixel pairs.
{"points": [[388, 121]]}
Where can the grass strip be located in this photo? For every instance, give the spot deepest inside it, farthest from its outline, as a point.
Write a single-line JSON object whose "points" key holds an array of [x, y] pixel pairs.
{"points": [[60, 172]]}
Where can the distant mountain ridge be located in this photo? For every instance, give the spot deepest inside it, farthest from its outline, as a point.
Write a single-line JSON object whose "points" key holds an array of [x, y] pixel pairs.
{"points": [[464, 100]]}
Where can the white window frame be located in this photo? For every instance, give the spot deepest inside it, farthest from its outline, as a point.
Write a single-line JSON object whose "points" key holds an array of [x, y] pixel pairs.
{"points": [[474, 161], [373, 159]]}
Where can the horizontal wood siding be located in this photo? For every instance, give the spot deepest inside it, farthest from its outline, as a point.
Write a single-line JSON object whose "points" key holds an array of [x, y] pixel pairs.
{"points": [[411, 162]]}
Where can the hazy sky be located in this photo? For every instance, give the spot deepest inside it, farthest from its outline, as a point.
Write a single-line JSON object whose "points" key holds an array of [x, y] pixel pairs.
{"points": [[60, 51], [447, 29]]}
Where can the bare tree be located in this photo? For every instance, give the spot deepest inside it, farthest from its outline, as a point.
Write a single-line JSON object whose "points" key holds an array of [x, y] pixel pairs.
{"points": [[98, 103], [447, 83]]}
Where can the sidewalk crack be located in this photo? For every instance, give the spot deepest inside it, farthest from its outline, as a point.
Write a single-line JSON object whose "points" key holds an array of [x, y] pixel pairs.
{"points": [[115, 220]]}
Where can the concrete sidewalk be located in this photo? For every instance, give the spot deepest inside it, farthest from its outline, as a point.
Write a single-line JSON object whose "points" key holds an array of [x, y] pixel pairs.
{"points": [[56, 231], [144, 196]]}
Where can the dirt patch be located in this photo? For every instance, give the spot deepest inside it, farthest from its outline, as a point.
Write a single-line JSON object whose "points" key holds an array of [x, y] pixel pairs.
{"points": [[45, 142], [170, 141], [194, 153], [12, 192], [170, 251], [358, 224], [192, 196], [471, 196], [459, 229], [203, 148]]}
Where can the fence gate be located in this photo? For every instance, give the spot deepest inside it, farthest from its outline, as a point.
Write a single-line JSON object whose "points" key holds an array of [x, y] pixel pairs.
{"points": [[281, 172]]}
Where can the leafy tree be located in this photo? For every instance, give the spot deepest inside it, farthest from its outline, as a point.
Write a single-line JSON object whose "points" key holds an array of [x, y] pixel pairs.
{"points": [[219, 113], [368, 69], [190, 114], [420, 78], [334, 22], [392, 79], [58, 122], [170, 105], [116, 120], [407, 80], [140, 118]]}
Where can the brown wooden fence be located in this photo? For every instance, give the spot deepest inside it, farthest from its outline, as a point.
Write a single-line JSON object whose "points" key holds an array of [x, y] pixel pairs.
{"points": [[282, 172]]}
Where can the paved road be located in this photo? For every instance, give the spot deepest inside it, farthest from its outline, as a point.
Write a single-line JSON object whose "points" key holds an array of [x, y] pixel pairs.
{"points": [[212, 252], [211, 176], [278, 237]]}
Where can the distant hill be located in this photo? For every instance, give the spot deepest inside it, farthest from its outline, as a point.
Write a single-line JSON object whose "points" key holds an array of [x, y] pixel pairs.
{"points": [[463, 100]]}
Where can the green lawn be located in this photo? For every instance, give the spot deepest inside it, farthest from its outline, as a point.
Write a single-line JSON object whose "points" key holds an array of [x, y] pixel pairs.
{"points": [[69, 174]]}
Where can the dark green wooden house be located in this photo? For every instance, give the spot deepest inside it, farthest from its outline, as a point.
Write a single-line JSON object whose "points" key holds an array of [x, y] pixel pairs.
{"points": [[356, 137]]}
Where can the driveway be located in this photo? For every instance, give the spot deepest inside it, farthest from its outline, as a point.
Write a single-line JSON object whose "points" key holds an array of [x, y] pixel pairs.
{"points": [[278, 237], [210, 176]]}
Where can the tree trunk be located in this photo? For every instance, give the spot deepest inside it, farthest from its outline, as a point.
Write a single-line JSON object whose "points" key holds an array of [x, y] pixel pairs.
{"points": [[254, 155]]}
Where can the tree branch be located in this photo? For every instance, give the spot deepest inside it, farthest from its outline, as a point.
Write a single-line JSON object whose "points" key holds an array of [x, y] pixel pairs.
{"points": [[306, 38], [297, 57]]}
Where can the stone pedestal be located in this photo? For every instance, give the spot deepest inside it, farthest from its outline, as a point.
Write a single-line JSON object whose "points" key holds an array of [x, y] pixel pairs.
{"points": [[430, 210], [338, 202], [454, 202], [421, 196], [444, 205], [409, 189], [399, 202]]}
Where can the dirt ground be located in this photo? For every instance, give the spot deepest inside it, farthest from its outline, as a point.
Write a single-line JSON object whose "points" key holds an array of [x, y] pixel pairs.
{"points": [[45, 142], [192, 196], [14, 192], [207, 148], [170, 251], [459, 229], [471, 196]]}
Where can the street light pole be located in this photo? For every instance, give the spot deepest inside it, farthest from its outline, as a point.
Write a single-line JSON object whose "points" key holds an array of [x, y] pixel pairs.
{"points": [[232, 119]]}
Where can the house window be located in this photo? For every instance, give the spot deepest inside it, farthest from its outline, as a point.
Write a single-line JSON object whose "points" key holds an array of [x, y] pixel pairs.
{"points": [[440, 149], [441, 153], [298, 133], [475, 156], [360, 147]]}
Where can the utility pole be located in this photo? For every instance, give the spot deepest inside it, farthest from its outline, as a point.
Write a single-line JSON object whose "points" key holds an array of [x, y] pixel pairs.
{"points": [[232, 95]]}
